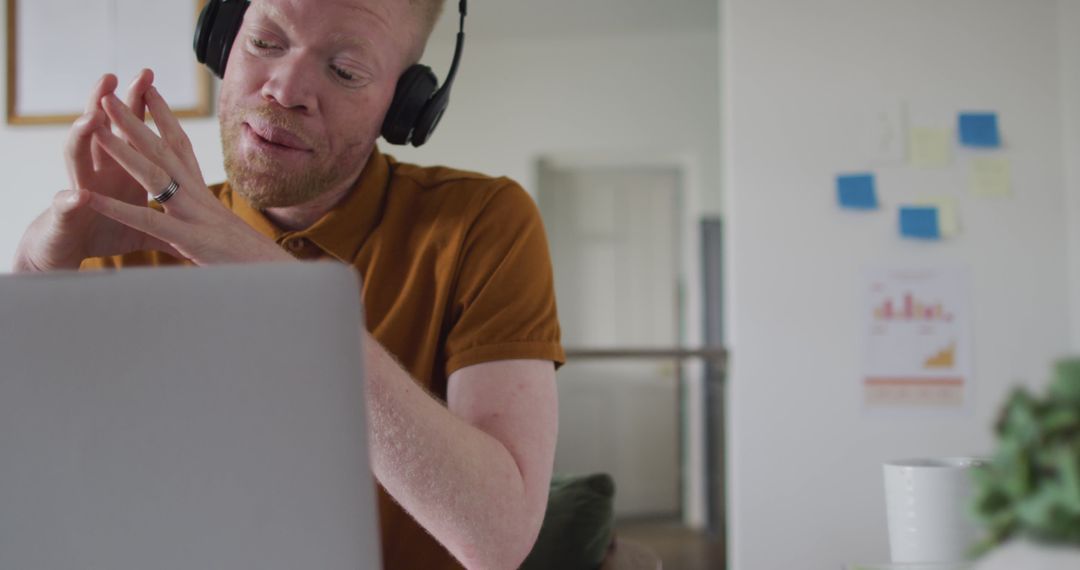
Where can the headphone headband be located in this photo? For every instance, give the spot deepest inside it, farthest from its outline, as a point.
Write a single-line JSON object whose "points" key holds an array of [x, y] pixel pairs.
{"points": [[459, 47]]}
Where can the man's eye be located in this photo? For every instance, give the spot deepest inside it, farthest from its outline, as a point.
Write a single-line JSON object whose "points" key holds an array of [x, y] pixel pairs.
{"points": [[262, 45], [343, 74]]}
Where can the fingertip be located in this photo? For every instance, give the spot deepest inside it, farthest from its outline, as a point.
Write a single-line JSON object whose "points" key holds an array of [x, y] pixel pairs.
{"points": [[143, 77], [109, 102], [109, 82], [77, 197], [106, 84], [67, 201]]}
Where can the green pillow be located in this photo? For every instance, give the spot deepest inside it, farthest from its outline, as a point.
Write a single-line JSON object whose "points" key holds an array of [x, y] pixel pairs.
{"points": [[578, 525]]}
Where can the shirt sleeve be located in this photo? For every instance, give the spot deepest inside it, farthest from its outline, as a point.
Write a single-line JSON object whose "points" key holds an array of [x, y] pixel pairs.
{"points": [[503, 303], [133, 259], [97, 264]]}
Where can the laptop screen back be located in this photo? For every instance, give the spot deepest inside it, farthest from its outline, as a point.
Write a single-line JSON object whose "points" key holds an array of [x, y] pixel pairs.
{"points": [[184, 418]]}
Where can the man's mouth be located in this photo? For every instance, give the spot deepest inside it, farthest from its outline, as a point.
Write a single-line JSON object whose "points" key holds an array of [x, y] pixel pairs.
{"points": [[276, 136]]}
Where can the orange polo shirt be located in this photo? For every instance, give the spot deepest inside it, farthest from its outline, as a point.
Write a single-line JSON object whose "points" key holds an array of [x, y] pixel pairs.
{"points": [[456, 272]]}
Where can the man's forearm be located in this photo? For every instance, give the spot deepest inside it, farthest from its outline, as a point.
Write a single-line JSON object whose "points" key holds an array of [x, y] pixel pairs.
{"points": [[460, 483]]}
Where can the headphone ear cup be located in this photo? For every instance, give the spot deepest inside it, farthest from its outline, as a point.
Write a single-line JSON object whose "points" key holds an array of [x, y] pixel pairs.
{"points": [[414, 89], [218, 25], [430, 117], [202, 30]]}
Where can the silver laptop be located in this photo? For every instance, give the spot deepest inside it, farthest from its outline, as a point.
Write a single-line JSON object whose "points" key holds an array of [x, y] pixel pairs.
{"points": [[181, 419]]}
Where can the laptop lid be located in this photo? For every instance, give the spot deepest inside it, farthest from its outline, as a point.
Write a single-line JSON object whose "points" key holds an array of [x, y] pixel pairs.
{"points": [[179, 418]]}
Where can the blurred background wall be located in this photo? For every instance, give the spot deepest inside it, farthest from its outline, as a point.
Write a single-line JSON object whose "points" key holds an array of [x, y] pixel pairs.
{"points": [[805, 454]]}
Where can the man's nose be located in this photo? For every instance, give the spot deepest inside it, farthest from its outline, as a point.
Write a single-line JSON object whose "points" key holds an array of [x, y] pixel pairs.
{"points": [[292, 84]]}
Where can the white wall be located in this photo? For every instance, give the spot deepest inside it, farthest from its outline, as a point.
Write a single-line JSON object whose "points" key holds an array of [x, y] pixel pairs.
{"points": [[518, 99], [806, 483]]}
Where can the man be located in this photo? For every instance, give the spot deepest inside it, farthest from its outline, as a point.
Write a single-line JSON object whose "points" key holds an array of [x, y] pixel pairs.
{"points": [[457, 287]]}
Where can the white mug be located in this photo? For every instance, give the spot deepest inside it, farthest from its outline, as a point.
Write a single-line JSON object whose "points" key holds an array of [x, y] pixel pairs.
{"points": [[928, 502]]}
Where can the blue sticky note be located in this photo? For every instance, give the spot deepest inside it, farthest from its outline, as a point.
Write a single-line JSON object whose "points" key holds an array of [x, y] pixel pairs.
{"points": [[856, 191], [979, 130], [920, 222]]}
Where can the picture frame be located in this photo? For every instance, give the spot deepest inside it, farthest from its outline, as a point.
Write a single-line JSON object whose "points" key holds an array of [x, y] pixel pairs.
{"points": [[57, 50]]}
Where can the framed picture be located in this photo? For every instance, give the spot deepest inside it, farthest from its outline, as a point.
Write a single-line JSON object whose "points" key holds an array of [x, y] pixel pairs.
{"points": [[58, 49]]}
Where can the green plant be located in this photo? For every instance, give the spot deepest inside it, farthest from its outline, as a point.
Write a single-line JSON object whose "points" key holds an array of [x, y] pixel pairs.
{"points": [[1031, 487]]}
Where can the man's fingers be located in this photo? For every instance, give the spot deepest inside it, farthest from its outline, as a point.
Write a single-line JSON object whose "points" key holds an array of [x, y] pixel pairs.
{"points": [[170, 129], [152, 177], [136, 132], [78, 153], [67, 203], [107, 84], [140, 218], [136, 93], [151, 147]]}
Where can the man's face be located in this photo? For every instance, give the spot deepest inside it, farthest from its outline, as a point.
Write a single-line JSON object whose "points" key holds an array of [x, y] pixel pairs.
{"points": [[307, 85]]}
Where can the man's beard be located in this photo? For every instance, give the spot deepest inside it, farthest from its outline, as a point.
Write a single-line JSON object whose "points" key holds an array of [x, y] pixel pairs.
{"points": [[265, 183]]}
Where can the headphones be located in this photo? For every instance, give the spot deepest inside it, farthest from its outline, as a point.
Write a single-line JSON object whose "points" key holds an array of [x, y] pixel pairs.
{"points": [[419, 102]]}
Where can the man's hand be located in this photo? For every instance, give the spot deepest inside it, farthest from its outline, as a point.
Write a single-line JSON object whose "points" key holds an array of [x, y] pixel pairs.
{"points": [[195, 223], [68, 231]]}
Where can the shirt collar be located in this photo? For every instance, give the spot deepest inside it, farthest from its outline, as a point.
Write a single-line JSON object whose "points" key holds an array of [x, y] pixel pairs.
{"points": [[344, 229]]}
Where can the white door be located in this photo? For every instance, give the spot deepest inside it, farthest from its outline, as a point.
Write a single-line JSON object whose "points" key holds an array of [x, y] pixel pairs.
{"points": [[614, 237]]}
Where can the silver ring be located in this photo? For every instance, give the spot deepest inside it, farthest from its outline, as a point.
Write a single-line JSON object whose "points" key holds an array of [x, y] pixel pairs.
{"points": [[167, 193]]}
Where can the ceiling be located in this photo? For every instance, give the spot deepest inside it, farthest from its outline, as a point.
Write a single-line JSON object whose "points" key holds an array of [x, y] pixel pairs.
{"points": [[503, 19]]}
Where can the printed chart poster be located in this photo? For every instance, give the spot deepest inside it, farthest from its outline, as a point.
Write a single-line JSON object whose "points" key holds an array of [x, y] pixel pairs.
{"points": [[918, 344]]}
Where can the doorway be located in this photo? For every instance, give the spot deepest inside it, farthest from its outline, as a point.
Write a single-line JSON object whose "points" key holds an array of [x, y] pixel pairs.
{"points": [[616, 248]]}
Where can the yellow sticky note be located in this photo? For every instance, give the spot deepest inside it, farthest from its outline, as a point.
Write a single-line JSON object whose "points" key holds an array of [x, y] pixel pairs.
{"points": [[991, 177], [948, 221], [930, 148]]}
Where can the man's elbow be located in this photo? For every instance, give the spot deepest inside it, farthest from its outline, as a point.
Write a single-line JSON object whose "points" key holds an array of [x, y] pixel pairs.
{"points": [[508, 547], [527, 539]]}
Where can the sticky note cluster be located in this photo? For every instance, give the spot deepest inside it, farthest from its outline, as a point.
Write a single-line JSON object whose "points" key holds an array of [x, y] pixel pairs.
{"points": [[933, 147]]}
